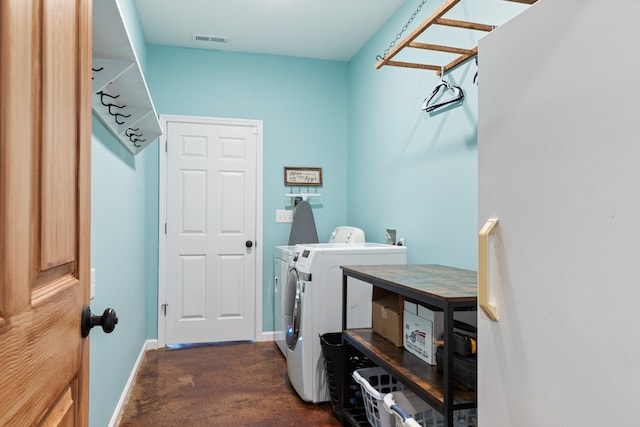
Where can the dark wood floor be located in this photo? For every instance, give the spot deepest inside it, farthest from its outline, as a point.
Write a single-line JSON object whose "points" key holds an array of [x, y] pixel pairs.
{"points": [[239, 384]]}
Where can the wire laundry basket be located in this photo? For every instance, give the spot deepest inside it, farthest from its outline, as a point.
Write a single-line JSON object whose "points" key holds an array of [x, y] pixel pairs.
{"points": [[375, 384], [405, 419], [411, 411]]}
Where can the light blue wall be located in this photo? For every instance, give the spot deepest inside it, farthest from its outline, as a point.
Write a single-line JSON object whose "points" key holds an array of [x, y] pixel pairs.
{"points": [[123, 225], [303, 105], [134, 28], [151, 239], [118, 254], [409, 170]]}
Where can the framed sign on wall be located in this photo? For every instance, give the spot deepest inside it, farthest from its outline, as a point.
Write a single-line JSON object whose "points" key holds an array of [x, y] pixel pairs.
{"points": [[302, 176]]}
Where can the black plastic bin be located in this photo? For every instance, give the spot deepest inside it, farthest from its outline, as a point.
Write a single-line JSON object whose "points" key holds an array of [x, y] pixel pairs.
{"points": [[332, 350]]}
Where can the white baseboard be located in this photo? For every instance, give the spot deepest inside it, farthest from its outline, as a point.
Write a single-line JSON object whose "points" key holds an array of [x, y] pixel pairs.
{"points": [[148, 345], [266, 336]]}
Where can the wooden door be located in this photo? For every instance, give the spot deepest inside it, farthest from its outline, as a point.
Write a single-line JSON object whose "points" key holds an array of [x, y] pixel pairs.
{"points": [[211, 228], [45, 138]]}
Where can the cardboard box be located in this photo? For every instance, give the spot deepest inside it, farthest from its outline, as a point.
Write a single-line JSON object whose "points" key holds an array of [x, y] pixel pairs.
{"points": [[423, 327], [386, 317]]}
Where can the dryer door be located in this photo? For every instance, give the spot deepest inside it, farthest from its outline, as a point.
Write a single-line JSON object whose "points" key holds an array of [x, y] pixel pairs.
{"points": [[291, 309]]}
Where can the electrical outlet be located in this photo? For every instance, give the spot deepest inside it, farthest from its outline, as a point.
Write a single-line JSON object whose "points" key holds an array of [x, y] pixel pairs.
{"points": [[92, 281], [284, 215]]}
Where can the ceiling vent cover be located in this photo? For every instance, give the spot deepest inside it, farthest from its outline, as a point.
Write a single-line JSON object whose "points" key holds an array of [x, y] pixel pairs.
{"points": [[208, 38]]}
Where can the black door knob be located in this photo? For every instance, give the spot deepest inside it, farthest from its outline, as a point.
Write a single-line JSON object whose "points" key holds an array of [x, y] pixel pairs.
{"points": [[248, 243], [108, 321]]}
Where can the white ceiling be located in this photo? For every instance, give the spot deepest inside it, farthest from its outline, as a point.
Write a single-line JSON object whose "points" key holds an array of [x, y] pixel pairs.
{"points": [[322, 29]]}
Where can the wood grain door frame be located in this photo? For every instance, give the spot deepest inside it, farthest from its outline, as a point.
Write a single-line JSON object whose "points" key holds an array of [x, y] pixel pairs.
{"points": [[162, 204]]}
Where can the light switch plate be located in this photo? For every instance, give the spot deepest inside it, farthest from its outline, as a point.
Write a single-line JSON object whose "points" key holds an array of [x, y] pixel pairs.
{"points": [[284, 215], [92, 280]]}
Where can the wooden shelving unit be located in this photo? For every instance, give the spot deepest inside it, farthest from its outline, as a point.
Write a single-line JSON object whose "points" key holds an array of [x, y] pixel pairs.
{"points": [[409, 369], [440, 288]]}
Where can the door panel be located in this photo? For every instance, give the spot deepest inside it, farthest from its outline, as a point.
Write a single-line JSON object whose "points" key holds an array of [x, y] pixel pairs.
{"points": [[45, 138], [59, 133], [62, 413], [211, 214]]}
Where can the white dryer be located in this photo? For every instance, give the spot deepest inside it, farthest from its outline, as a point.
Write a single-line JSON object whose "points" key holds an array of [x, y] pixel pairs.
{"points": [[282, 262], [313, 305]]}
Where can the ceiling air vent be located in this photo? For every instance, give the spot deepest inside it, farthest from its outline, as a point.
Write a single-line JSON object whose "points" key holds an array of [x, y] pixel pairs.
{"points": [[207, 38]]}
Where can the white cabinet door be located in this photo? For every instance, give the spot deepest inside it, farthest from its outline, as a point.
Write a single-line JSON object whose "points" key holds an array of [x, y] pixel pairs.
{"points": [[558, 158]]}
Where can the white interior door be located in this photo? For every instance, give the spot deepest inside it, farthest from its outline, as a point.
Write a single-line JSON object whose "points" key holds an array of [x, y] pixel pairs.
{"points": [[211, 232]]}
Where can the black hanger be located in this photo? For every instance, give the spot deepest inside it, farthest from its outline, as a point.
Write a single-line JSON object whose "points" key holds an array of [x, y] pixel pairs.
{"points": [[458, 95], [475, 77]]}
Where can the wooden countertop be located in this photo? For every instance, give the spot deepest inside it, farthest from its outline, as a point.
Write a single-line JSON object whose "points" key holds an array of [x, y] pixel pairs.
{"points": [[432, 280]]}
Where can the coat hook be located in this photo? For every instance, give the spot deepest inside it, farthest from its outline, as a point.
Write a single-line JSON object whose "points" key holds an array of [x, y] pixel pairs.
{"points": [[103, 94], [109, 105], [117, 106], [96, 70], [129, 132], [116, 115], [134, 141]]}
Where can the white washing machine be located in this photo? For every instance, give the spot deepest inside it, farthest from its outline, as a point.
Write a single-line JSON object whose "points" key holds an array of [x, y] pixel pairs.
{"points": [[282, 263], [313, 305]]}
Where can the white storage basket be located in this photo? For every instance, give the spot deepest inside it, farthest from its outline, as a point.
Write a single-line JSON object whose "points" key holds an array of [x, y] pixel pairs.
{"points": [[411, 411], [375, 384]]}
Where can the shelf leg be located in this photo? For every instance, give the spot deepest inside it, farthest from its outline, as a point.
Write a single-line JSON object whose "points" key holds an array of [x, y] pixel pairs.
{"points": [[448, 366], [345, 360]]}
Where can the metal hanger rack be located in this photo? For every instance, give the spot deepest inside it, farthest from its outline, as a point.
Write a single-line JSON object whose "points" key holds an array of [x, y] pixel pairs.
{"points": [[438, 18]]}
